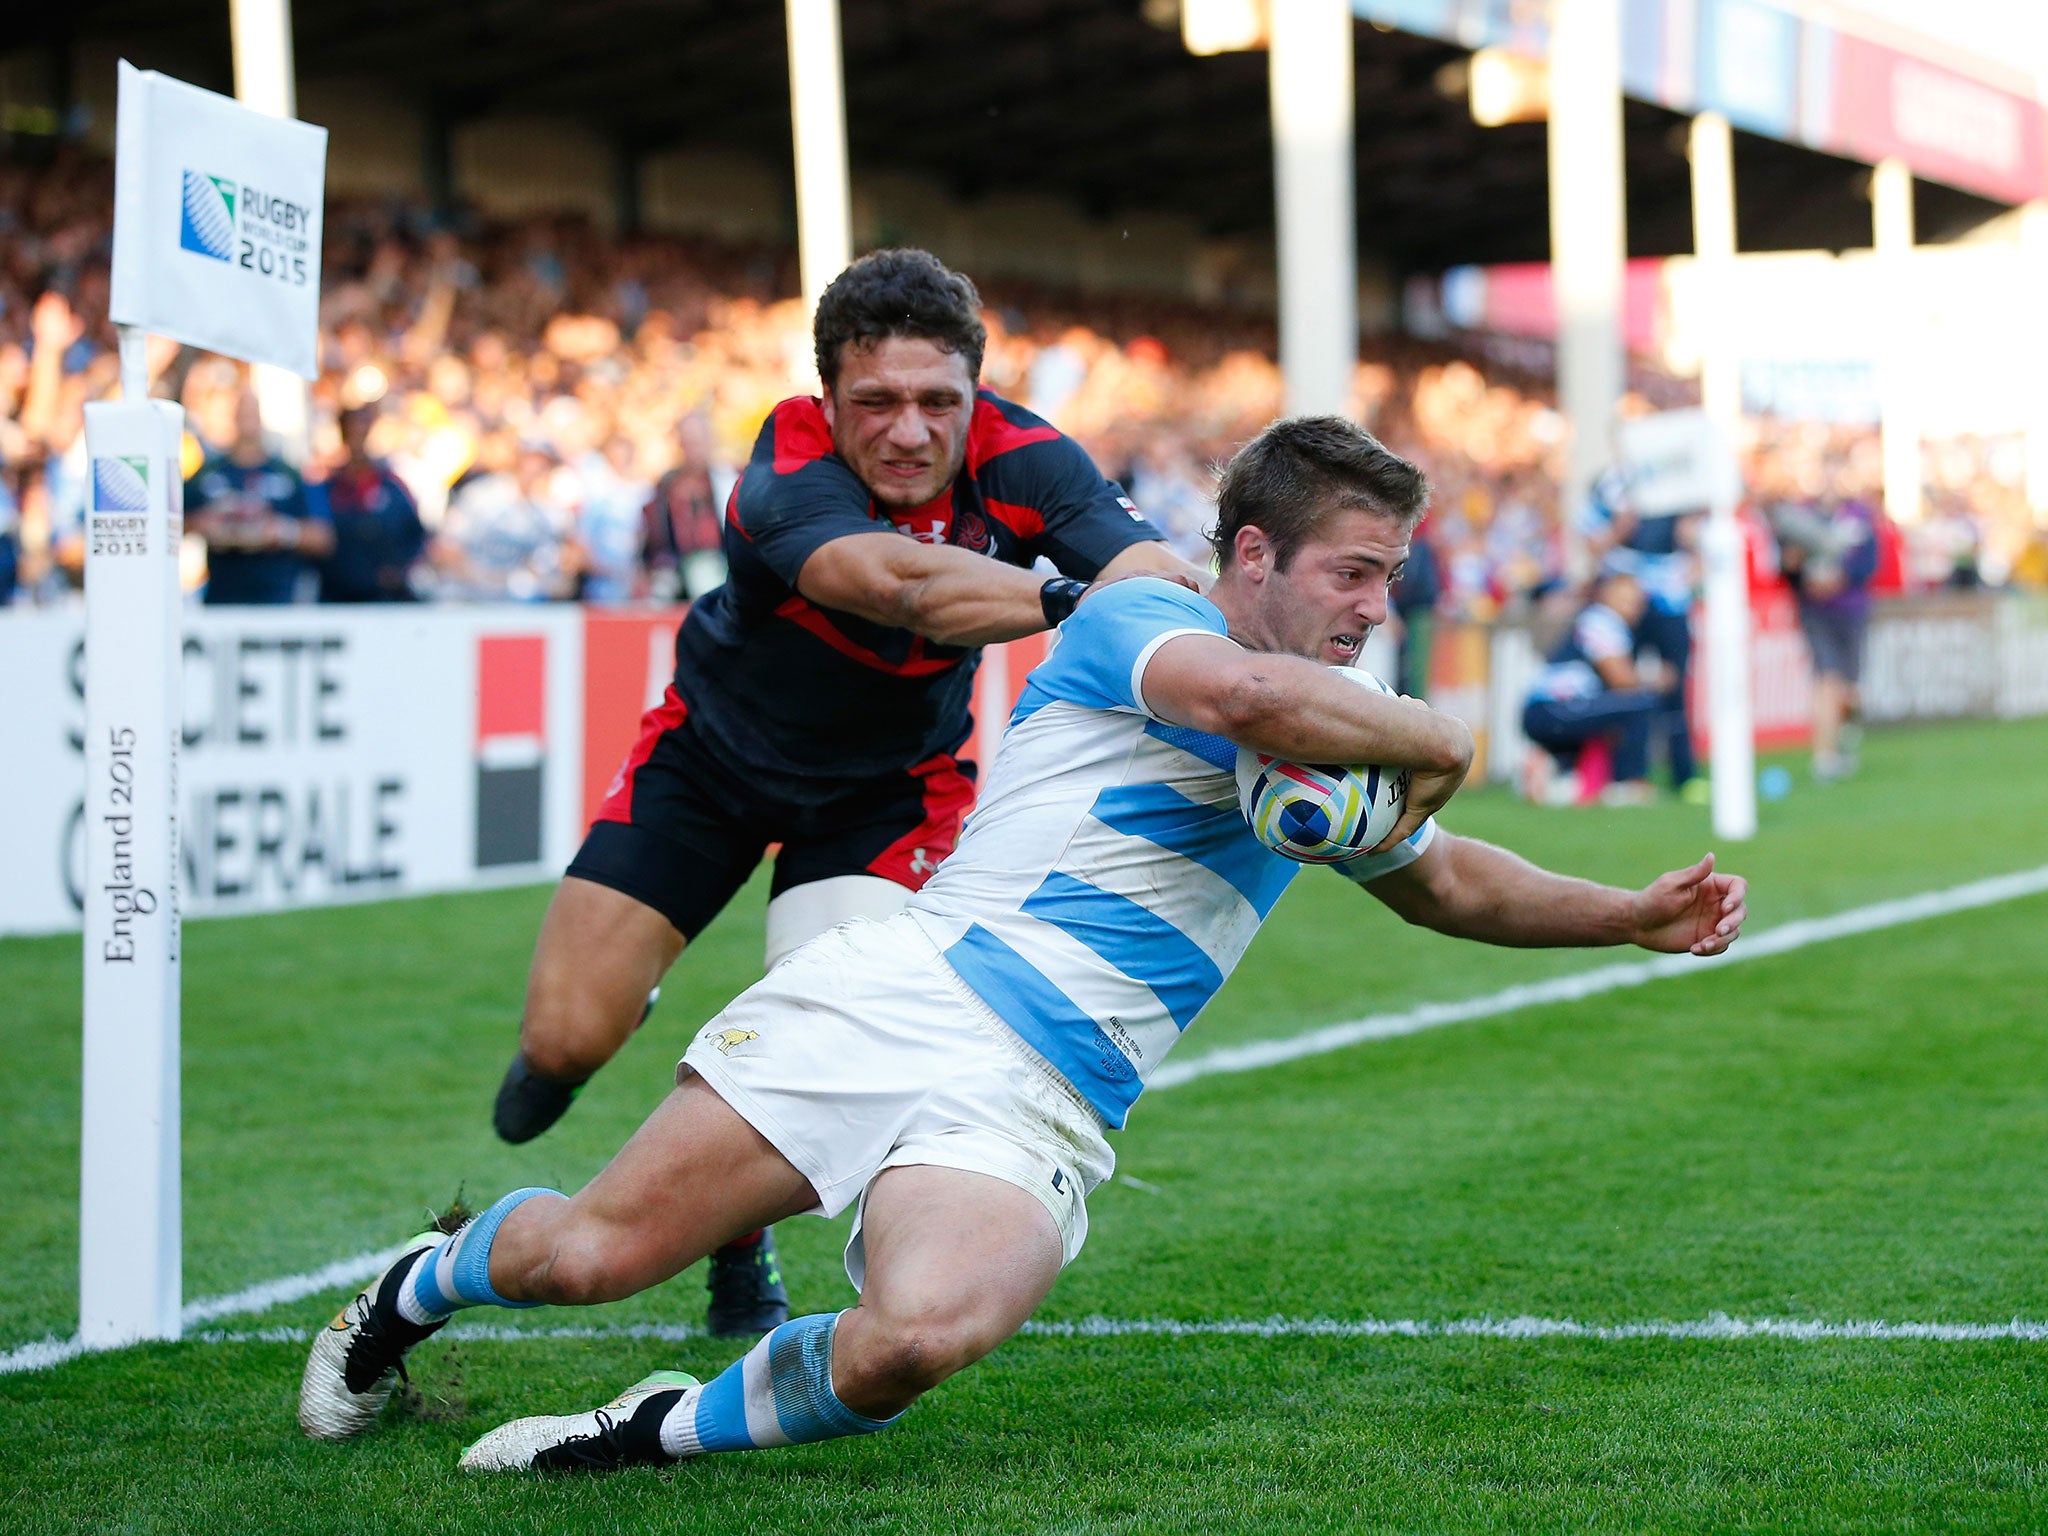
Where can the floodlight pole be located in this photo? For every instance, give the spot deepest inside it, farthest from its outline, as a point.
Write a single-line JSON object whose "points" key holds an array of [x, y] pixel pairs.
{"points": [[1314, 165], [1891, 221], [1588, 239], [817, 111], [265, 79], [1729, 712]]}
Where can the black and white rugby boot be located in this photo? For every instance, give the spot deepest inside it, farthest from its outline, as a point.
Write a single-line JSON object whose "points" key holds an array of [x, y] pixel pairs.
{"points": [[359, 1357], [625, 1432], [747, 1294]]}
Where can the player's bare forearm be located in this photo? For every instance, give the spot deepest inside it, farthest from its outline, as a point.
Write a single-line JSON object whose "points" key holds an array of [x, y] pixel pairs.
{"points": [[1297, 709], [949, 595], [1474, 890], [955, 602]]}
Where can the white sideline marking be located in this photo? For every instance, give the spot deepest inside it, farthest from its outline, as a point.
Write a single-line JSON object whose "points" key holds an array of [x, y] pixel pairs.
{"points": [[1607, 978], [43, 1353]]}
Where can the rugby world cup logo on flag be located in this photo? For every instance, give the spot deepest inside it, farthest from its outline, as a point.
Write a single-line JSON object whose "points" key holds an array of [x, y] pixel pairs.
{"points": [[120, 485], [207, 225], [511, 747]]}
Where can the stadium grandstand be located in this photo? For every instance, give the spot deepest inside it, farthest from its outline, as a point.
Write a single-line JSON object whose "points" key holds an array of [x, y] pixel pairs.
{"points": [[581, 255], [569, 265]]}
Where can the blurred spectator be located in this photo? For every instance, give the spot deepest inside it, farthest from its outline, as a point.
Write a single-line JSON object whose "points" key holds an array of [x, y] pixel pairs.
{"points": [[1414, 597], [1658, 551], [2030, 564], [1589, 689], [682, 522], [1176, 493], [1829, 552], [506, 538], [1954, 543], [609, 522], [377, 532], [10, 545], [263, 536]]}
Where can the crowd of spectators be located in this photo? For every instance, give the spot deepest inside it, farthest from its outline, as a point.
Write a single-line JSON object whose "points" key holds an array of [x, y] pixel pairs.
{"points": [[531, 411]]}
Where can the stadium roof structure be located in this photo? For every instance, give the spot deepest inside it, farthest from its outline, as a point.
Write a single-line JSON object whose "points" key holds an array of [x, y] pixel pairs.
{"points": [[1099, 101]]}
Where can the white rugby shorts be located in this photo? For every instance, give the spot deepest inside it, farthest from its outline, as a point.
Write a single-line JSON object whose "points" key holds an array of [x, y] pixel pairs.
{"points": [[864, 1050]]}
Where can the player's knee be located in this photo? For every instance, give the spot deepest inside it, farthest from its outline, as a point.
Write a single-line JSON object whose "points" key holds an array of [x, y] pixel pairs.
{"points": [[565, 1032], [584, 1270], [911, 1355], [552, 1051]]}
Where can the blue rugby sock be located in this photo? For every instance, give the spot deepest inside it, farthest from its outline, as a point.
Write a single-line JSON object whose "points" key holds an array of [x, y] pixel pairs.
{"points": [[458, 1273], [778, 1393]]}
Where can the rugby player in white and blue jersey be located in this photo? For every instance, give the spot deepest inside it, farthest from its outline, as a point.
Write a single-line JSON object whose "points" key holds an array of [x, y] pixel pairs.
{"points": [[954, 1068]]}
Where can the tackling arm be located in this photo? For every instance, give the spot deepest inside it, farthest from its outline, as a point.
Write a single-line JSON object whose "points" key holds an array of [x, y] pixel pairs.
{"points": [[953, 596], [1474, 890]]}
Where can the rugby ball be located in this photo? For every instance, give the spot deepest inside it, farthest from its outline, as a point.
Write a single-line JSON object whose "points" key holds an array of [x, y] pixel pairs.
{"points": [[1317, 813]]}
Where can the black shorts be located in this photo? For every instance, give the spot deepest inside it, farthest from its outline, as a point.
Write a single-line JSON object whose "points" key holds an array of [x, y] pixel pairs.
{"points": [[682, 828]]}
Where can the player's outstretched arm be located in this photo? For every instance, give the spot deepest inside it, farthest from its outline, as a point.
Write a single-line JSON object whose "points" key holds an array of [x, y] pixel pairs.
{"points": [[953, 596], [1474, 890], [1297, 709]]}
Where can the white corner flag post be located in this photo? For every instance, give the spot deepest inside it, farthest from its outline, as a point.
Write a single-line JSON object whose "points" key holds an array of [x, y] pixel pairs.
{"points": [[216, 243], [1731, 717], [129, 1253]]}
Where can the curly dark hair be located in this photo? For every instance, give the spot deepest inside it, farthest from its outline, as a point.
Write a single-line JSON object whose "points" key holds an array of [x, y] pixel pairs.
{"points": [[898, 293], [1290, 478]]}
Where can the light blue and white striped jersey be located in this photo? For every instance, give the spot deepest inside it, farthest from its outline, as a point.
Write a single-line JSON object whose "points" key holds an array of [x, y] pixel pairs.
{"points": [[1107, 881]]}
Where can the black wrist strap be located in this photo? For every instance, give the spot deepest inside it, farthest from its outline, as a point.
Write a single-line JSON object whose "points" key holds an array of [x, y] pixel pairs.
{"points": [[1058, 598]]}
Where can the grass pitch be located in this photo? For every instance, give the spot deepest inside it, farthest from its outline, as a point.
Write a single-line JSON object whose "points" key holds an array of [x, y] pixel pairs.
{"points": [[1847, 1132]]}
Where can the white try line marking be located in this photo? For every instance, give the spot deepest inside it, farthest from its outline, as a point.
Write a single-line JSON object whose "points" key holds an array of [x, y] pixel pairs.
{"points": [[1782, 939]]}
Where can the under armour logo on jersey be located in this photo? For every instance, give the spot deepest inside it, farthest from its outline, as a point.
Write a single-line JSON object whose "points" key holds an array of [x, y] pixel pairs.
{"points": [[919, 863], [933, 532]]}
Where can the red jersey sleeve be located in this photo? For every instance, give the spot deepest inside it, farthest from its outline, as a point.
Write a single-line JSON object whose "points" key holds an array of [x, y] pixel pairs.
{"points": [[797, 495], [1043, 484]]}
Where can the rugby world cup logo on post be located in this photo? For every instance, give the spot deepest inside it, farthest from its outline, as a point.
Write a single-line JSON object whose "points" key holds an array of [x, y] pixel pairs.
{"points": [[120, 485], [207, 226]]}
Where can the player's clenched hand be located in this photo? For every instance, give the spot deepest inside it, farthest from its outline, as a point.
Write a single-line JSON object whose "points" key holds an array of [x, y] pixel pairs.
{"points": [[1428, 790], [1691, 910]]}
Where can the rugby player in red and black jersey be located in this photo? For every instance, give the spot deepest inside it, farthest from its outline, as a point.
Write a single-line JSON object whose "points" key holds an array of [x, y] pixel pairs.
{"points": [[880, 535]]}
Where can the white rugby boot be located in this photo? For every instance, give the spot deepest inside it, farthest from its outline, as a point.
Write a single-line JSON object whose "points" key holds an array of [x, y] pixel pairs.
{"points": [[625, 1432], [358, 1358]]}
